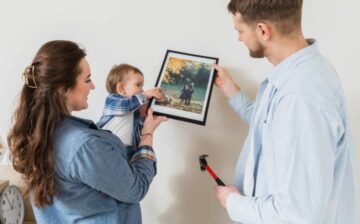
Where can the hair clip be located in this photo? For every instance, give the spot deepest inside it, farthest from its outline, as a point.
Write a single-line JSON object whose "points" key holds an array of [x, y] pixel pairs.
{"points": [[30, 70]]}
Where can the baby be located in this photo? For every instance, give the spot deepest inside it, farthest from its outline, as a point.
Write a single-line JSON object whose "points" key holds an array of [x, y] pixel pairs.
{"points": [[122, 113]]}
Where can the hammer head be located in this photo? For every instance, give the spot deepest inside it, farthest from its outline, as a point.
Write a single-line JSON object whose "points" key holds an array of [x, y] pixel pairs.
{"points": [[203, 163]]}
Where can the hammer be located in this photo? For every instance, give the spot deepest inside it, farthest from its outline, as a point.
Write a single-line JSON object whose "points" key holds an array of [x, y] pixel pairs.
{"points": [[204, 166]]}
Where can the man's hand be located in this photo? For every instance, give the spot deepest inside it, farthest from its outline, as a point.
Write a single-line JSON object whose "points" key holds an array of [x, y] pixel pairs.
{"points": [[154, 92], [223, 192], [224, 81]]}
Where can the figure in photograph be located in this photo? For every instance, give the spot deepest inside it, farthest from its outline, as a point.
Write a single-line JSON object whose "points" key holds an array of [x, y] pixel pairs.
{"points": [[179, 81], [184, 94], [189, 94]]}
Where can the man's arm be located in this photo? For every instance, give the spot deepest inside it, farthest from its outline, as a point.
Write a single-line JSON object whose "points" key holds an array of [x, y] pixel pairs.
{"points": [[304, 141], [224, 81], [239, 101]]}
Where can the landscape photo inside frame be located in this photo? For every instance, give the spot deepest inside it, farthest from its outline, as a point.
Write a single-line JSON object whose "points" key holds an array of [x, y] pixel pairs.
{"points": [[186, 80]]}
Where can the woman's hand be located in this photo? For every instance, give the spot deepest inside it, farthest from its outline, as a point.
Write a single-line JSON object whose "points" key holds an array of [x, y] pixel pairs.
{"points": [[152, 122], [143, 110]]}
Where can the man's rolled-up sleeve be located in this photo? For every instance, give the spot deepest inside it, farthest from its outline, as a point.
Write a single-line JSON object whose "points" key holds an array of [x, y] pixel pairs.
{"points": [[242, 105]]}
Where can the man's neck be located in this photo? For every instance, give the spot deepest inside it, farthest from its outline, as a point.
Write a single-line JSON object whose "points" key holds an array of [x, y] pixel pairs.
{"points": [[283, 47]]}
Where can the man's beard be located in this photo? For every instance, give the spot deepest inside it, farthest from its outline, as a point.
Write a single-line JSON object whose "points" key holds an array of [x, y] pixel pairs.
{"points": [[259, 52]]}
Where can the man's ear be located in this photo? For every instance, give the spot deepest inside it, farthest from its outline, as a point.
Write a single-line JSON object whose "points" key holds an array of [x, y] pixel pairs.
{"points": [[120, 88], [264, 31]]}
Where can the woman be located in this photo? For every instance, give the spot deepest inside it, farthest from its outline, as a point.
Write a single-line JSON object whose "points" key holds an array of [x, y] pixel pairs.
{"points": [[74, 171]]}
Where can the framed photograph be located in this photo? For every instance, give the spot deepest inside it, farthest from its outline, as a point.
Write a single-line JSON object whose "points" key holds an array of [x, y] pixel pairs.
{"points": [[187, 81]]}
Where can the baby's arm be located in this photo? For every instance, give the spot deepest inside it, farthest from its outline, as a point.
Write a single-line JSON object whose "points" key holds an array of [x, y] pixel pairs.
{"points": [[154, 92]]}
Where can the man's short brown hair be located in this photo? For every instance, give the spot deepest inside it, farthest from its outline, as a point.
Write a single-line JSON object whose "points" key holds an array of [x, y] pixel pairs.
{"points": [[284, 14], [118, 74]]}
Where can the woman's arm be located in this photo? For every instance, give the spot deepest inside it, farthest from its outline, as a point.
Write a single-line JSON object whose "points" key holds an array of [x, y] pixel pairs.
{"points": [[105, 168]]}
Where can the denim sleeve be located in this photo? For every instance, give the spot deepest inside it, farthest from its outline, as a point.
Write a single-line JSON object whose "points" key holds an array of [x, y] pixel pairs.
{"points": [[104, 167], [243, 106], [304, 138]]}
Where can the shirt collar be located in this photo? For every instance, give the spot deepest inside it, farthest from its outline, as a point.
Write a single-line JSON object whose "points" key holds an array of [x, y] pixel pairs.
{"points": [[282, 71], [85, 122], [116, 95]]}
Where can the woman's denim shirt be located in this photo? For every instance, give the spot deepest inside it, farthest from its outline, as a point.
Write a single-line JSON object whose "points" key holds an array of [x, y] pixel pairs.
{"points": [[97, 179]]}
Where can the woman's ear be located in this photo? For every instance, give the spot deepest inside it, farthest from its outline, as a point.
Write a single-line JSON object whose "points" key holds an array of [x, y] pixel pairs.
{"points": [[63, 93], [120, 88], [66, 96]]}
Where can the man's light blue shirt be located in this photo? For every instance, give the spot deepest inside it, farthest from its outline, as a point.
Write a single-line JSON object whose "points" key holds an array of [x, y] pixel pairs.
{"points": [[296, 164]]}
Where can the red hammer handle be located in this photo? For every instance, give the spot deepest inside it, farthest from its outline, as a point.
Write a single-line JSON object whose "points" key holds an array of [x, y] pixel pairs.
{"points": [[214, 176]]}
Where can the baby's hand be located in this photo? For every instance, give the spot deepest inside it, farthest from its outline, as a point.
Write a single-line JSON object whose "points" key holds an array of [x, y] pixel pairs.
{"points": [[154, 92]]}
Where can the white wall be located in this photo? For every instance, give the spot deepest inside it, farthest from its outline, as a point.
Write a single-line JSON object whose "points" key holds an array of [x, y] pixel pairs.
{"points": [[139, 32]]}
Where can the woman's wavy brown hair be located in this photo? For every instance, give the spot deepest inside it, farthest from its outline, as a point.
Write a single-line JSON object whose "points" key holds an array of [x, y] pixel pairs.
{"points": [[53, 72]]}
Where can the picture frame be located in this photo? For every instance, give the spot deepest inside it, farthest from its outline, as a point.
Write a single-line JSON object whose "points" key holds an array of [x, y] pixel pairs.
{"points": [[186, 81]]}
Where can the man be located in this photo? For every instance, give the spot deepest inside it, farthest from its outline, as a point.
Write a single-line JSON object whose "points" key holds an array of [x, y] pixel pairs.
{"points": [[296, 164]]}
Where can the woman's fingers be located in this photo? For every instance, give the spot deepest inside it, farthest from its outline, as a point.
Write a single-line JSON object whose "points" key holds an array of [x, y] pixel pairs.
{"points": [[150, 112], [162, 118]]}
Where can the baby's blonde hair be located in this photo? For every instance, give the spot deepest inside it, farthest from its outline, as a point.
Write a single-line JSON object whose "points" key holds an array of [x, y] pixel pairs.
{"points": [[118, 74]]}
